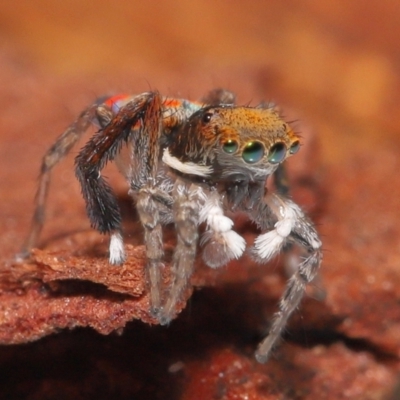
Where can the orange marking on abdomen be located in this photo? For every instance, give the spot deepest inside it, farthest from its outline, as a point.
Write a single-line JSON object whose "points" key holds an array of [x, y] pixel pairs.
{"points": [[115, 99], [170, 102]]}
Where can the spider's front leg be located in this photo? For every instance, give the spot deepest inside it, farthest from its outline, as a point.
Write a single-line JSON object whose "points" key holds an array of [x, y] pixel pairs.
{"points": [[189, 198], [138, 122], [148, 202], [292, 225]]}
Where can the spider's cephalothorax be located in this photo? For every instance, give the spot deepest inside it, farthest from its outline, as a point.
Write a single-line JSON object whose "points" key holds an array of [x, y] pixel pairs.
{"points": [[233, 142], [188, 163]]}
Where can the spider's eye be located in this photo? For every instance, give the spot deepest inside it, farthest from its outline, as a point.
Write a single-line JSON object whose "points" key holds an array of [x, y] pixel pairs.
{"points": [[207, 117], [277, 153], [253, 152], [295, 147], [230, 146]]}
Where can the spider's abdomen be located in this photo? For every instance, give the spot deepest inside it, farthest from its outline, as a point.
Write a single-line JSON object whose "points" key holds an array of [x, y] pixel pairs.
{"points": [[174, 111]]}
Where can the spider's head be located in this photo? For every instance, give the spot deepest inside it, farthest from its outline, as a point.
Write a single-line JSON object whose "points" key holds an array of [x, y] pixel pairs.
{"points": [[228, 141]]}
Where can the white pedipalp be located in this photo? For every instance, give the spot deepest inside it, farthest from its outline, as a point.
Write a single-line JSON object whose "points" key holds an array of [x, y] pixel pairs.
{"points": [[237, 244], [117, 252], [219, 223], [270, 243], [221, 243]]}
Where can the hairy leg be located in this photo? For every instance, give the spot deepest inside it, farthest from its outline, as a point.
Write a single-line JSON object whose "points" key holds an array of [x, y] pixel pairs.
{"points": [[148, 202], [138, 121], [186, 216], [292, 258], [291, 224], [53, 156]]}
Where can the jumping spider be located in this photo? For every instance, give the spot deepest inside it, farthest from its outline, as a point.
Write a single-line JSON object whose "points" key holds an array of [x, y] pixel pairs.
{"points": [[187, 163]]}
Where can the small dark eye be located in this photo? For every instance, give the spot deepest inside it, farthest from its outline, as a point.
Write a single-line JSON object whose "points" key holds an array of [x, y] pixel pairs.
{"points": [[277, 153], [230, 146], [207, 117], [295, 147], [253, 152]]}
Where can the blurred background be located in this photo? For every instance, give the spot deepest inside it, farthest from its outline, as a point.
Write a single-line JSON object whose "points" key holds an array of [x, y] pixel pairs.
{"points": [[333, 66], [336, 62]]}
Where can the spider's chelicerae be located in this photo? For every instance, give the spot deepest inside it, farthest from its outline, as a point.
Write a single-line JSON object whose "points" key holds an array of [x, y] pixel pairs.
{"points": [[187, 163]]}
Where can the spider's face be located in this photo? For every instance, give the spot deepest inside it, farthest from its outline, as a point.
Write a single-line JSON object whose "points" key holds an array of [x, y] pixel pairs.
{"points": [[230, 141]]}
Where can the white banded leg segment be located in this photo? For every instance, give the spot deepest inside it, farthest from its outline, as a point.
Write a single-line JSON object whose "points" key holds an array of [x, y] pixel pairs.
{"points": [[221, 243], [270, 243], [117, 252]]}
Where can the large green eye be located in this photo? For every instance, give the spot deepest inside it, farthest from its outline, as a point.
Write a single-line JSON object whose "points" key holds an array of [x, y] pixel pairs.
{"points": [[230, 146], [253, 152], [277, 153], [295, 147]]}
